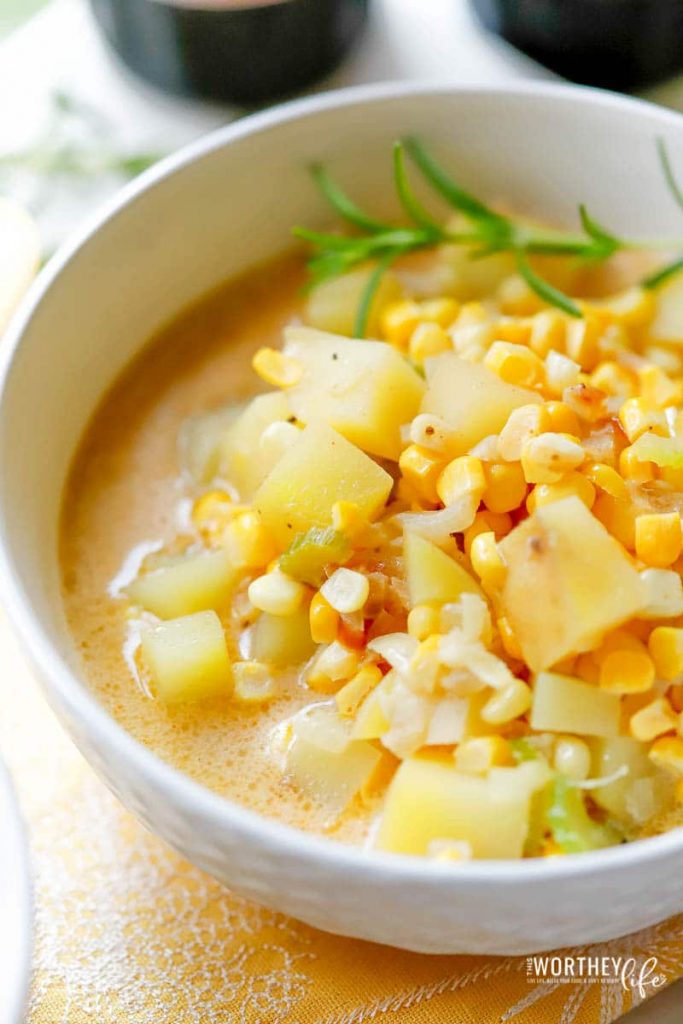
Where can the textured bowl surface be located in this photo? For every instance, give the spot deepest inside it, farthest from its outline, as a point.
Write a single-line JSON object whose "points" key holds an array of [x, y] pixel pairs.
{"points": [[15, 907], [200, 216]]}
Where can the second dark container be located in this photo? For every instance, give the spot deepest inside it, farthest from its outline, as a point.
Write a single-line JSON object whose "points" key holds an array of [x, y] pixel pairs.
{"points": [[616, 44], [241, 51]]}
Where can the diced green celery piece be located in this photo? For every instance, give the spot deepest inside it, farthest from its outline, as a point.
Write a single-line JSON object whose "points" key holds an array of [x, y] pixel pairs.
{"points": [[572, 828], [309, 553], [522, 750], [663, 451]]}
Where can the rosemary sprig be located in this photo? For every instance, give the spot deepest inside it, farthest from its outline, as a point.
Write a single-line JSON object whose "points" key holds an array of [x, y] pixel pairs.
{"points": [[486, 232]]}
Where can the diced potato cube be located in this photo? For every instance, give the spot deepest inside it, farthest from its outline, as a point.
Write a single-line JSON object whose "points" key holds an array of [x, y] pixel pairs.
{"points": [[283, 640], [319, 470], [433, 576], [617, 798], [429, 799], [568, 582], [200, 442], [371, 720], [472, 399], [242, 461], [333, 305], [194, 583], [364, 389], [564, 704], [187, 658], [323, 760]]}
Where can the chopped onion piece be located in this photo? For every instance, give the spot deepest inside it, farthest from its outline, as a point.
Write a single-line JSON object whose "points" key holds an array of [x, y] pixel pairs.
{"points": [[395, 648], [439, 526], [430, 431], [605, 780], [487, 449]]}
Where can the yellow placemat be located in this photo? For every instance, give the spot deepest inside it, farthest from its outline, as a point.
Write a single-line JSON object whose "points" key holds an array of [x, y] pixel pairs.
{"points": [[129, 933]]}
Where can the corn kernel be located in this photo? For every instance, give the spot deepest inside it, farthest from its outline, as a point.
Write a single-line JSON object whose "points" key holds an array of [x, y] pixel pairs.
{"points": [[346, 590], [657, 389], [587, 668], [486, 561], [634, 307], [421, 467], [671, 475], [627, 671], [522, 424], [663, 594], [515, 364], [276, 593], [513, 329], [442, 311], [505, 486], [323, 620], [675, 695], [547, 332], [347, 518], [212, 511], [613, 379], [581, 344], [353, 693], [464, 475], [617, 517], [428, 339], [653, 720], [516, 298], [587, 402], [333, 666], [499, 522], [509, 639], [560, 372], [277, 369], [570, 485], [478, 755], [633, 468], [667, 753], [618, 640], [471, 314], [636, 416], [248, 542], [572, 758], [423, 621], [562, 419], [254, 682], [546, 458], [659, 538], [508, 703], [606, 478], [666, 649], [399, 320]]}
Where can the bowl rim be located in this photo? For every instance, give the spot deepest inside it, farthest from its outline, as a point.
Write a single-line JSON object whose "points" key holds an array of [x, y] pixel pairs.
{"points": [[71, 690], [21, 882]]}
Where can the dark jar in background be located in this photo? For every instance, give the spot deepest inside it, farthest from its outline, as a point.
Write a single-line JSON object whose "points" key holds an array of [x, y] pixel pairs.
{"points": [[240, 51], [615, 44]]}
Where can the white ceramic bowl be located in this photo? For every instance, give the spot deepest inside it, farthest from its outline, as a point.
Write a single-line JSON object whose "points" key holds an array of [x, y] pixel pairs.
{"points": [[15, 907], [224, 203]]}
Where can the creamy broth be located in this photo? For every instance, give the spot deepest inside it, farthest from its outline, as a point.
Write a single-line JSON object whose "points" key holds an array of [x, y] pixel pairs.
{"points": [[124, 490], [130, 509]]}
